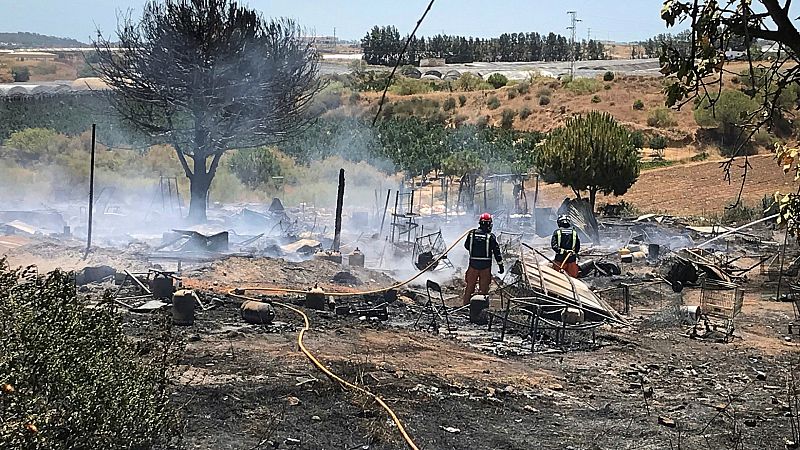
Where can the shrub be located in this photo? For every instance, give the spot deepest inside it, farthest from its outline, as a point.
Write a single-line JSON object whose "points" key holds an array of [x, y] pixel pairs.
{"points": [[462, 100], [637, 139], [507, 119], [20, 74], [544, 91], [468, 82], [661, 118], [411, 86], [512, 94], [497, 80], [354, 98], [255, 168], [493, 102], [638, 105], [596, 99], [607, 87], [728, 111], [544, 100], [482, 122], [449, 104], [524, 87], [608, 76], [658, 143], [524, 113], [583, 86], [73, 379], [460, 119]]}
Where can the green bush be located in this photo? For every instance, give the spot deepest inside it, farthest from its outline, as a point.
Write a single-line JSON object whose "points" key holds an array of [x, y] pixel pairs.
{"points": [[608, 76], [596, 99], [524, 87], [512, 94], [20, 74], [460, 119], [411, 86], [607, 87], [524, 113], [468, 82], [583, 86], [729, 110], [254, 167], [544, 100], [638, 105], [71, 377], [493, 102], [507, 119], [738, 213], [658, 142], [482, 122], [354, 98], [497, 80], [544, 90], [661, 118], [462, 100], [449, 104], [637, 139]]}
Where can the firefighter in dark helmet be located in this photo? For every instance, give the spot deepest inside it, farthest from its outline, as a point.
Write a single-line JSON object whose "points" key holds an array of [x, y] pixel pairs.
{"points": [[482, 245], [566, 244]]}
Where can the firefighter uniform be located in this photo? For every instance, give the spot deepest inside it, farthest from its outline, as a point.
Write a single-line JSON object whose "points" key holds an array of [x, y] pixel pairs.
{"points": [[482, 245], [566, 245]]}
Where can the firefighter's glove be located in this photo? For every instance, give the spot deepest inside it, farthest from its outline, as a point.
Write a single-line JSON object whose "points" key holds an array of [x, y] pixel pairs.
{"points": [[501, 268]]}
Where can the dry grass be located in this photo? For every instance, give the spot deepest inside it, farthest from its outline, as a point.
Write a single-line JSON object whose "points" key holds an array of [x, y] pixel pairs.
{"points": [[64, 70]]}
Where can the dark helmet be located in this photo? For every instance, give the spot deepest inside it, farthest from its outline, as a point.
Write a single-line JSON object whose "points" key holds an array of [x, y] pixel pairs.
{"points": [[485, 221], [563, 221]]}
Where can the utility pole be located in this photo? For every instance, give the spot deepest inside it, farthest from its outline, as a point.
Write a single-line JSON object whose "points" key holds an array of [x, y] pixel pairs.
{"points": [[573, 26], [91, 193], [588, 35]]}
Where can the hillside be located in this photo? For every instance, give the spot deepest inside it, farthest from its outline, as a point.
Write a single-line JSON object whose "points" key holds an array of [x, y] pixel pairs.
{"points": [[696, 189], [35, 40]]}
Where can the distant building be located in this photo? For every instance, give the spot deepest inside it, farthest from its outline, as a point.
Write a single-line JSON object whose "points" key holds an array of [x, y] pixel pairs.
{"points": [[431, 62], [733, 55], [320, 41]]}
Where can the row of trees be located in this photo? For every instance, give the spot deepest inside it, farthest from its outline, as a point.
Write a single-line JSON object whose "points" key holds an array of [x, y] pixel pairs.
{"points": [[416, 146], [382, 46]]}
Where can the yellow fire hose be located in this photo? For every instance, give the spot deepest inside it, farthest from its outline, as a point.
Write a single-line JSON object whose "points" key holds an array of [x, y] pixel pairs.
{"points": [[307, 326]]}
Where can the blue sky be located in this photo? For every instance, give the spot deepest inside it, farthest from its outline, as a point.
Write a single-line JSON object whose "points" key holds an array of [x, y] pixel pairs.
{"points": [[607, 19]]}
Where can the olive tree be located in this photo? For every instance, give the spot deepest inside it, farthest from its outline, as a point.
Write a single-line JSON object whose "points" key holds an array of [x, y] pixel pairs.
{"points": [[591, 153], [208, 76]]}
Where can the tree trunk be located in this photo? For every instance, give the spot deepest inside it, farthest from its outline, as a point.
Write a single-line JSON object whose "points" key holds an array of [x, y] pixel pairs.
{"points": [[592, 197], [199, 184]]}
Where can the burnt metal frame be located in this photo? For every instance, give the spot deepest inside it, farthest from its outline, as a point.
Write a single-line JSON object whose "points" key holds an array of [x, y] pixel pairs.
{"points": [[537, 322], [717, 309], [435, 244], [431, 308]]}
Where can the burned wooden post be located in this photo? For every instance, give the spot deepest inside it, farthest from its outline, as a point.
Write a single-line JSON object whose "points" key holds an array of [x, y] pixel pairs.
{"points": [[91, 193], [339, 201], [385, 207]]}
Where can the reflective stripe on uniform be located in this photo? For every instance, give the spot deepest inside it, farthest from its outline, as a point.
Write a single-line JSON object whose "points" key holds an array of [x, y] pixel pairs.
{"points": [[471, 245], [574, 236]]}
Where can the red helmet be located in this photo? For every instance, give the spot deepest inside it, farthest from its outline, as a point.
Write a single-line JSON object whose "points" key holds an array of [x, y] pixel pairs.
{"points": [[485, 220]]}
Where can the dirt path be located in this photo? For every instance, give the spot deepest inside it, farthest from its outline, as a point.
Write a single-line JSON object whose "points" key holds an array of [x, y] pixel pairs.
{"points": [[692, 189]]}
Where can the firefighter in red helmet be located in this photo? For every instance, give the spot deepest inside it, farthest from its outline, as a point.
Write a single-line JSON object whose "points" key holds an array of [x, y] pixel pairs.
{"points": [[482, 245]]}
